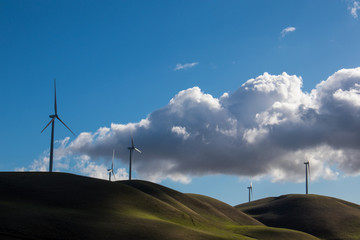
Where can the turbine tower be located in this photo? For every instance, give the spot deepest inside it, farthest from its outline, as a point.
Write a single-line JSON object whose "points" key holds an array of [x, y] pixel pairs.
{"points": [[52, 121], [111, 170], [132, 148], [307, 170], [250, 191]]}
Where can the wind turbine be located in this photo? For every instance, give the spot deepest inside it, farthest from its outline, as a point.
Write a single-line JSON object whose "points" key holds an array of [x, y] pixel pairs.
{"points": [[111, 170], [307, 169], [250, 191], [52, 121], [132, 148]]}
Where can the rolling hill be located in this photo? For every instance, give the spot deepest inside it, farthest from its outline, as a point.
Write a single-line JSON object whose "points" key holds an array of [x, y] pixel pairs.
{"points": [[66, 206], [324, 217]]}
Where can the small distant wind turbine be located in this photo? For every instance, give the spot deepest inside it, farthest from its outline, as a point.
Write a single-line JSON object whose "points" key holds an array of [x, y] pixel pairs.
{"points": [[111, 170], [307, 170], [132, 148], [250, 191], [52, 121]]}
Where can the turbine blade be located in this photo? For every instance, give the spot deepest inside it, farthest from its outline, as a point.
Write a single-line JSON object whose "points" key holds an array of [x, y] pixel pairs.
{"points": [[55, 105], [48, 124], [113, 175], [65, 125], [132, 141], [137, 150]]}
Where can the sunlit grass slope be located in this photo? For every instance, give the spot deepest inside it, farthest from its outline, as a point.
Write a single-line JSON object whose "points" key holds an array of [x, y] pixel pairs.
{"points": [[66, 206], [324, 217]]}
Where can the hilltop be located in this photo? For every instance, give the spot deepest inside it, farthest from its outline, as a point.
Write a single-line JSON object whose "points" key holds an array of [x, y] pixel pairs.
{"points": [[67, 206], [324, 217]]}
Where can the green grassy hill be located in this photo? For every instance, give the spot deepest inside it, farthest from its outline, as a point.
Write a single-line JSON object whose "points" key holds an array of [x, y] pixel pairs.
{"points": [[324, 217], [67, 206]]}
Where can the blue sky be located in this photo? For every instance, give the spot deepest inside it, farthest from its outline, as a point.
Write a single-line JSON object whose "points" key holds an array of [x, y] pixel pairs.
{"points": [[123, 61]]}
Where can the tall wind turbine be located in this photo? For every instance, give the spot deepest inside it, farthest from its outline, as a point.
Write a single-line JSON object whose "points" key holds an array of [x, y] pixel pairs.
{"points": [[250, 191], [132, 148], [111, 170], [307, 170], [52, 121]]}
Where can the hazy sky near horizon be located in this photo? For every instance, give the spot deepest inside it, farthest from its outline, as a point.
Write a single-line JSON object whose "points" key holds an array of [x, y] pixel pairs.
{"points": [[216, 93]]}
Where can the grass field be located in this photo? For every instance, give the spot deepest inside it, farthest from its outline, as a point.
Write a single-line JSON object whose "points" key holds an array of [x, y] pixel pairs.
{"points": [[324, 217], [67, 206]]}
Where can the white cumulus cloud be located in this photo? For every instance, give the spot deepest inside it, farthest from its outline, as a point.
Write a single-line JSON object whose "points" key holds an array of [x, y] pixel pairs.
{"points": [[185, 66], [287, 30], [354, 8], [268, 127]]}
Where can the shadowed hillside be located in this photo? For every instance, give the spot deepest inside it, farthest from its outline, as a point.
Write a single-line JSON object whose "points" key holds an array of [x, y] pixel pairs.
{"points": [[66, 206], [324, 217]]}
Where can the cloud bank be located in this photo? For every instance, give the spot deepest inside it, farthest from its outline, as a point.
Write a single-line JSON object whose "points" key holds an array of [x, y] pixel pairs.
{"points": [[287, 30], [267, 128]]}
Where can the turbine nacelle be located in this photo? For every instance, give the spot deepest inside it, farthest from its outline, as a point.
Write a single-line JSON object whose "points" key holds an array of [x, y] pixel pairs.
{"points": [[134, 148]]}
